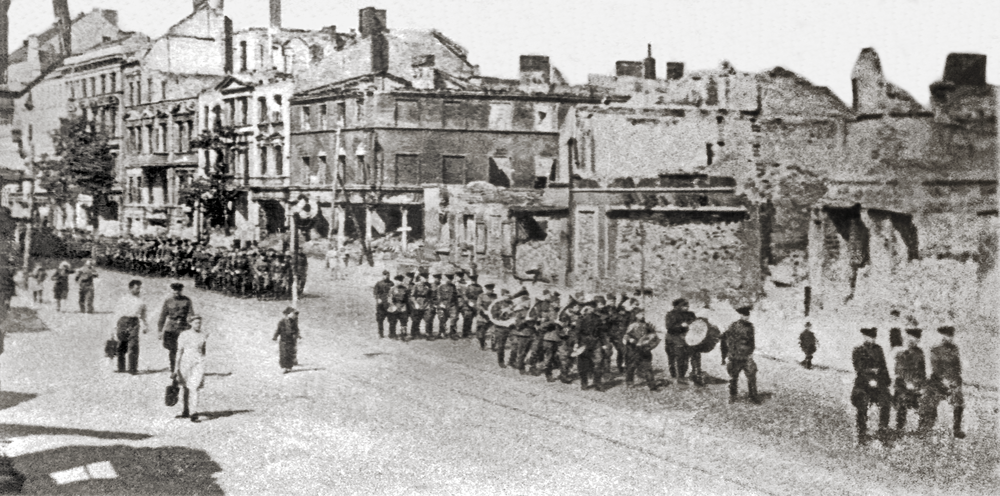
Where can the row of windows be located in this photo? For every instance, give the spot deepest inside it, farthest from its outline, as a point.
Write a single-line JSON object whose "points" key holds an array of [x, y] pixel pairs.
{"points": [[94, 86], [453, 115], [237, 112], [135, 94], [156, 138], [104, 117]]}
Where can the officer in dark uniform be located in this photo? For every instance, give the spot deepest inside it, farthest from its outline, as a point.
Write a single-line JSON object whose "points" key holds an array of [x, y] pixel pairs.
{"points": [[871, 384], [677, 321], [447, 306], [945, 384], [911, 373], [740, 343], [591, 336], [431, 311], [522, 332], [382, 290], [471, 296], [173, 320], [397, 306], [483, 320], [551, 339], [541, 314], [420, 299], [501, 310]]}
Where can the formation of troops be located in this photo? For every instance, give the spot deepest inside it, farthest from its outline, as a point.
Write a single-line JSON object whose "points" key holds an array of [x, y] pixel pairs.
{"points": [[247, 272], [545, 333]]}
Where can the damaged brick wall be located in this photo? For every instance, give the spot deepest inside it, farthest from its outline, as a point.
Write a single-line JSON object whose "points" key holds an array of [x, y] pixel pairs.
{"points": [[544, 251]]}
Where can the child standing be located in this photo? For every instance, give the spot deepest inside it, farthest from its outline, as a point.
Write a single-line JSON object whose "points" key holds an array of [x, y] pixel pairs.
{"points": [[807, 341]]}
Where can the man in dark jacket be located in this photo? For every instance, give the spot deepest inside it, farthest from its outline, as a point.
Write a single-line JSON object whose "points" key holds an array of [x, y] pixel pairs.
{"points": [[945, 384], [85, 277], [677, 322], [483, 319], [420, 299], [871, 384], [173, 320], [591, 336], [382, 290], [740, 345], [447, 306], [911, 373], [399, 295], [470, 296]]}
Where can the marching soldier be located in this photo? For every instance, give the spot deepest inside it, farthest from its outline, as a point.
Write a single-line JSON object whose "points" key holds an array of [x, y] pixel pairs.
{"points": [[945, 384], [500, 311], [591, 345], [85, 278], [739, 347], [523, 330], [541, 314], [173, 320], [640, 340], [677, 321], [420, 297], [911, 373], [871, 384], [447, 300], [431, 311], [382, 290], [471, 296], [397, 306], [482, 319]]}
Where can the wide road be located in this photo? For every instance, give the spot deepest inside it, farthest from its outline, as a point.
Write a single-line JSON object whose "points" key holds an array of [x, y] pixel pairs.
{"points": [[368, 416]]}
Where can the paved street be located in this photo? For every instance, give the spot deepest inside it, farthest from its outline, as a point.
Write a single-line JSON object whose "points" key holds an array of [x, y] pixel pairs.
{"points": [[369, 416]]}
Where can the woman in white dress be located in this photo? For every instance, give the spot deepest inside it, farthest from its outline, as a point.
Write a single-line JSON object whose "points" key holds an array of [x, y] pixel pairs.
{"points": [[190, 370]]}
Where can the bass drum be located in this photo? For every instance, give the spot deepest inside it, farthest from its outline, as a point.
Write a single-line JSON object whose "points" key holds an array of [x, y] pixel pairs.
{"points": [[702, 336]]}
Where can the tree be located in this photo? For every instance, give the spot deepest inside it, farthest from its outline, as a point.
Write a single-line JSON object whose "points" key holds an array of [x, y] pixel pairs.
{"points": [[84, 164], [212, 192]]}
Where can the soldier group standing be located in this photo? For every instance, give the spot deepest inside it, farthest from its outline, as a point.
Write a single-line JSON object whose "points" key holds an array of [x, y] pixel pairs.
{"points": [[242, 272]]}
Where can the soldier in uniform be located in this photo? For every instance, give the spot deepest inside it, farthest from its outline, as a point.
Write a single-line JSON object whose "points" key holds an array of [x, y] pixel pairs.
{"points": [[739, 347], [501, 310], [677, 322], [173, 320], [447, 305], [871, 384], [640, 340], [541, 314], [382, 290], [397, 306], [470, 296], [85, 278], [420, 298], [432, 309], [622, 319], [482, 319], [911, 373], [522, 332], [945, 384], [593, 339]]}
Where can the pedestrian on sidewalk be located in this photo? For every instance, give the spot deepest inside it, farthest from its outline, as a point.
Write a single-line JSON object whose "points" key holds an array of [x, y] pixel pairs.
{"points": [[85, 278], [288, 331], [173, 320], [36, 281], [60, 285], [808, 342], [871, 385], [130, 318], [190, 372], [945, 384], [740, 345]]}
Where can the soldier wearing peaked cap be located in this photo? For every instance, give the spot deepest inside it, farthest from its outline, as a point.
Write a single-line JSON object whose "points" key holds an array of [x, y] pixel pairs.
{"points": [[871, 384], [501, 315], [482, 318], [431, 312], [945, 384], [420, 300], [382, 290], [470, 296], [173, 320], [677, 321], [446, 301], [911, 373], [740, 344], [398, 297]]}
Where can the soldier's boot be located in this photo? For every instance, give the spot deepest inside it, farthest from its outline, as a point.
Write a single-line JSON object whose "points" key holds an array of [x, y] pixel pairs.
{"points": [[583, 382], [598, 384], [809, 362], [861, 420], [901, 419], [500, 361], [957, 431], [732, 391], [926, 423], [482, 344], [549, 377]]}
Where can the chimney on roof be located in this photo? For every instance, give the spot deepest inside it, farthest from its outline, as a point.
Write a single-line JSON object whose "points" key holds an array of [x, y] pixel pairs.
{"points": [[227, 42], [61, 8], [535, 74], [965, 69], [628, 68], [649, 63], [275, 14], [675, 70], [371, 21], [868, 83]]}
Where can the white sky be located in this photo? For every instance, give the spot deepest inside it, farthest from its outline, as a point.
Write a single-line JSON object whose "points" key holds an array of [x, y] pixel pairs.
{"points": [[819, 39]]}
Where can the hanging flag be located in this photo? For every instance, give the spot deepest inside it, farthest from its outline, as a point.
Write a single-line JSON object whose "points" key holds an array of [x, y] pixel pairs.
{"points": [[378, 223]]}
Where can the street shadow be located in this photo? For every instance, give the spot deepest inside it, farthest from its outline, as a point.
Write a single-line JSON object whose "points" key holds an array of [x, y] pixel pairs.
{"points": [[17, 430], [152, 371], [612, 384], [295, 371], [10, 399], [218, 374], [220, 414], [373, 355], [714, 381], [118, 470], [23, 320], [309, 296]]}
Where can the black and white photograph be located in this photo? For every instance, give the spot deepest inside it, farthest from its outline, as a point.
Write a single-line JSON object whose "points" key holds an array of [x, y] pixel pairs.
{"points": [[470, 247]]}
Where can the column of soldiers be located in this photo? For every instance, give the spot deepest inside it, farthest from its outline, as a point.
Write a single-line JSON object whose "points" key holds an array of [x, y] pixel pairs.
{"points": [[265, 274]]}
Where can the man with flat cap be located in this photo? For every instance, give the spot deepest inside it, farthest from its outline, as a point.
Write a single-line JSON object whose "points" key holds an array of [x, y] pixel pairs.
{"points": [[173, 320], [911, 373], [483, 320], [398, 297], [382, 290], [945, 384], [677, 321], [871, 384], [740, 345]]}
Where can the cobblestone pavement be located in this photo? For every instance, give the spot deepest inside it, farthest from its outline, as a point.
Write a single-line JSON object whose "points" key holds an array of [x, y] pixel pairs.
{"points": [[368, 416]]}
